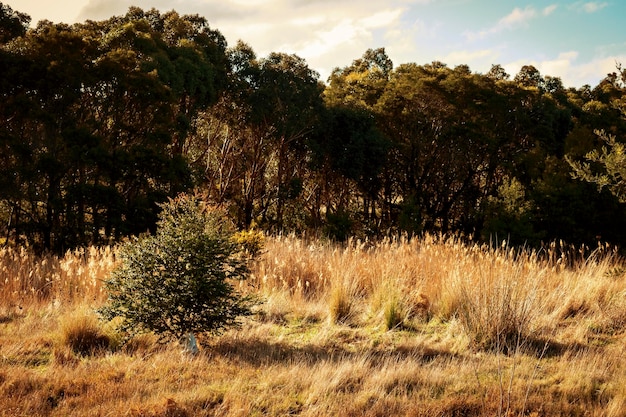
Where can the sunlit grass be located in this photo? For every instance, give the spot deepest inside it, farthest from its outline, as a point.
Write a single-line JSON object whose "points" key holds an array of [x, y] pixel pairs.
{"points": [[421, 327]]}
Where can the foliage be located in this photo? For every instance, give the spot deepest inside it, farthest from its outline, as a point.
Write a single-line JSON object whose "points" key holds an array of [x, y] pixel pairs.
{"points": [[605, 167], [255, 155], [251, 241], [104, 120], [96, 121], [339, 226], [179, 280], [12, 23], [509, 216]]}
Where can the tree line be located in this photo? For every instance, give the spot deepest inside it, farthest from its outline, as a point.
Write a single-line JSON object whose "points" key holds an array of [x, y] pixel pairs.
{"points": [[104, 120]]}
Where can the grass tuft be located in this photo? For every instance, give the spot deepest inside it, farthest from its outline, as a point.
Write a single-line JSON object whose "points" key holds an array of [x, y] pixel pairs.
{"points": [[394, 314], [341, 307], [81, 332]]}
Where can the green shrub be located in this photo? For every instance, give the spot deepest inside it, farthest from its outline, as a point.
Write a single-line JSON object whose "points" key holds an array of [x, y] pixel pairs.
{"points": [[252, 241], [338, 226], [179, 281]]}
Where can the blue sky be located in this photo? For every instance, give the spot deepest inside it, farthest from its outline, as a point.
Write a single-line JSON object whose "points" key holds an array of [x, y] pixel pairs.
{"points": [[579, 41]]}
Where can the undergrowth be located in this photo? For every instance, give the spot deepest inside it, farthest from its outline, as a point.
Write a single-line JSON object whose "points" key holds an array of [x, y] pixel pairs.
{"points": [[420, 327]]}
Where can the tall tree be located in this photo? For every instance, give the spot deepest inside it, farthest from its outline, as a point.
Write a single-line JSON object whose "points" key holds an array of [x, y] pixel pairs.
{"points": [[259, 134], [352, 97], [97, 120], [12, 23], [349, 153]]}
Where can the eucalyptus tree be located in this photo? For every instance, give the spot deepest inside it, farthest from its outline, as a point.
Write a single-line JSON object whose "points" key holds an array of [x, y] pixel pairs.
{"points": [[97, 118], [351, 143], [12, 23], [349, 154], [43, 135], [605, 164], [252, 145], [434, 115]]}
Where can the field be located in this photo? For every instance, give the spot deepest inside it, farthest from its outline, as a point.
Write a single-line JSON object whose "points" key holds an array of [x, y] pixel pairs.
{"points": [[423, 327]]}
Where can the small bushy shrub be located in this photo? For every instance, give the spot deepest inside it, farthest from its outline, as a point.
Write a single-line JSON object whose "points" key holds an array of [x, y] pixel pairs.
{"points": [[252, 241], [179, 280]]}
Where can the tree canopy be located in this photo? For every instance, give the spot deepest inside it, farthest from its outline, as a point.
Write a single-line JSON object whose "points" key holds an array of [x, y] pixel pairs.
{"points": [[102, 121]]}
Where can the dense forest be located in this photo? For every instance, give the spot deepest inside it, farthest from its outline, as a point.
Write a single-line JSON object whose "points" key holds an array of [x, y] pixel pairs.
{"points": [[104, 120]]}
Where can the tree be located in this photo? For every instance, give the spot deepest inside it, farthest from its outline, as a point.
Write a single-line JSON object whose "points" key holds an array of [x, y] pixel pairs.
{"points": [[529, 76], [178, 281], [443, 126], [510, 215], [96, 119], [349, 153], [362, 83], [354, 149], [605, 167], [250, 149], [12, 23], [498, 73]]}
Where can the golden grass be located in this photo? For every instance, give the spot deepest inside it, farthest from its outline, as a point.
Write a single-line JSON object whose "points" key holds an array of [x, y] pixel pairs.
{"points": [[27, 278], [399, 327]]}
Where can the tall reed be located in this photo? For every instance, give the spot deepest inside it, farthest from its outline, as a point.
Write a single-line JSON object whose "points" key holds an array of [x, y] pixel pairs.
{"points": [[77, 276]]}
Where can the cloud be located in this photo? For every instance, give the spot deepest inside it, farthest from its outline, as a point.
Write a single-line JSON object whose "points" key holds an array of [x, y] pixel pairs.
{"points": [[562, 64], [549, 10], [211, 9], [568, 67], [383, 18], [589, 7], [321, 39], [517, 18], [593, 71], [103, 9]]}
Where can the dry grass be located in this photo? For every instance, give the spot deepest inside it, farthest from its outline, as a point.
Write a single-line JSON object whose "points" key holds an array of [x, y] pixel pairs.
{"points": [[409, 328], [76, 277]]}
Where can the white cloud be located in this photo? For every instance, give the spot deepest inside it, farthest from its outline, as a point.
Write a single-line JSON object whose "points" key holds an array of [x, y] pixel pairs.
{"points": [[383, 18], [588, 7], [48, 10], [549, 10], [251, 3], [314, 20], [566, 65], [345, 31], [563, 64], [326, 33], [517, 18], [595, 70]]}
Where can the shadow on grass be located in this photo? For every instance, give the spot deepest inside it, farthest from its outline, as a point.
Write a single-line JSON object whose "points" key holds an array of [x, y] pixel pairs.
{"points": [[7, 317], [257, 351], [547, 348]]}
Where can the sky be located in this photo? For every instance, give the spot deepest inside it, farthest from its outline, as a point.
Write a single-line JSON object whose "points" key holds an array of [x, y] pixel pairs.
{"points": [[578, 41]]}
